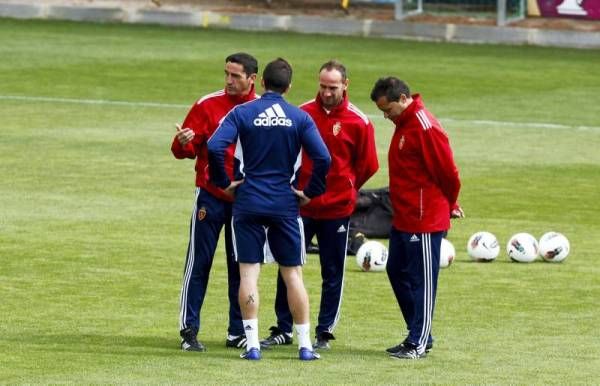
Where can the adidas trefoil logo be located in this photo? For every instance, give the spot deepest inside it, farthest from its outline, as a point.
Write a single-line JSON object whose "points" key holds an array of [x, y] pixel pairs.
{"points": [[414, 238], [341, 229], [273, 116]]}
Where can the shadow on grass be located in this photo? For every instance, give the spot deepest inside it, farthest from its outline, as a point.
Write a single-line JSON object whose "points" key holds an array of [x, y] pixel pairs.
{"points": [[116, 344], [501, 261], [165, 347]]}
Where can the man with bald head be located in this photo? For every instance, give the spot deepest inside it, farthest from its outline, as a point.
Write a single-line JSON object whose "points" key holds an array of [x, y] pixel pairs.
{"points": [[350, 139]]}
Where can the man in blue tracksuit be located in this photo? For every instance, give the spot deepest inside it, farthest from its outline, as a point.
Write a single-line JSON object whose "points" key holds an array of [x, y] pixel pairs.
{"points": [[270, 135]]}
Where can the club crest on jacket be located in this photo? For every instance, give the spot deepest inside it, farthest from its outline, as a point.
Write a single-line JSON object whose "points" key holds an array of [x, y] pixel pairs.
{"points": [[337, 127], [201, 214]]}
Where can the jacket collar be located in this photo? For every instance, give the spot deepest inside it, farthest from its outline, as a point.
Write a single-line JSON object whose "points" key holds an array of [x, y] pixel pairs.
{"points": [[416, 105], [271, 95], [238, 99], [342, 106]]}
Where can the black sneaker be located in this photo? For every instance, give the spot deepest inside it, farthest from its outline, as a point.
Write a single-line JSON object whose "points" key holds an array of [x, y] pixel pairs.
{"points": [[189, 342], [277, 337], [407, 351], [394, 349], [236, 341], [397, 348], [428, 346], [322, 341]]}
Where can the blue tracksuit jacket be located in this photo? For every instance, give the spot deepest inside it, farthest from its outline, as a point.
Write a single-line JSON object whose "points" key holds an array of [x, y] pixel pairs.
{"points": [[270, 134]]}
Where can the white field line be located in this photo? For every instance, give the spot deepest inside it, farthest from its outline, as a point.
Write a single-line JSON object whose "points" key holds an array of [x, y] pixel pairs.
{"points": [[542, 125], [91, 101], [520, 124], [371, 116]]}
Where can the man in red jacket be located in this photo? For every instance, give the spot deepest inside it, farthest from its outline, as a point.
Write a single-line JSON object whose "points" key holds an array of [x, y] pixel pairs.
{"points": [[424, 186], [350, 139], [212, 207]]}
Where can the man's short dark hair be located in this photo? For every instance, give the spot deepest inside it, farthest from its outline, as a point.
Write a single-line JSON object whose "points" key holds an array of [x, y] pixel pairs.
{"points": [[389, 87], [277, 75], [335, 65], [248, 62]]}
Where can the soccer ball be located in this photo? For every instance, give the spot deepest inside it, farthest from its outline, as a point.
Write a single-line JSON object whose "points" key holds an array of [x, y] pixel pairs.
{"points": [[372, 256], [554, 247], [522, 248], [483, 246], [447, 253]]}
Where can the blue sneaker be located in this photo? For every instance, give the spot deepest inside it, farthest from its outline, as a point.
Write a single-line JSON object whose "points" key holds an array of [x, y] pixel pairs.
{"points": [[252, 355], [306, 354]]}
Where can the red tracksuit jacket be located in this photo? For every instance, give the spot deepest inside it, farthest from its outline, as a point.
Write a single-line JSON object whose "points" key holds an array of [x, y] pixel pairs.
{"points": [[204, 118], [350, 139], [424, 181]]}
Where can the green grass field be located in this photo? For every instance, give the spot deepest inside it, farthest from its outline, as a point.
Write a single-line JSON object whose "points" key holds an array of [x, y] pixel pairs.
{"points": [[94, 210]]}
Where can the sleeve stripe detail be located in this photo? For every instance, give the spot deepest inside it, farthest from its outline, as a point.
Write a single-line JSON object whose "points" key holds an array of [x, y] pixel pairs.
{"points": [[211, 95], [425, 123], [306, 103], [357, 111]]}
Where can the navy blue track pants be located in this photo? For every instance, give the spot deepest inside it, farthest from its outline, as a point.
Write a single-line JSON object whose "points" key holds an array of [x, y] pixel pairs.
{"points": [[413, 266], [332, 238], [208, 217]]}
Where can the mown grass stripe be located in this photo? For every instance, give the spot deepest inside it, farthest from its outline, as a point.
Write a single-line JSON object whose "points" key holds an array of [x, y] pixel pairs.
{"points": [[371, 116]]}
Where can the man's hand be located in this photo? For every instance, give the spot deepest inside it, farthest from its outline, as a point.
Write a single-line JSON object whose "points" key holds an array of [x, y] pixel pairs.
{"points": [[302, 199], [184, 136], [230, 190], [457, 212]]}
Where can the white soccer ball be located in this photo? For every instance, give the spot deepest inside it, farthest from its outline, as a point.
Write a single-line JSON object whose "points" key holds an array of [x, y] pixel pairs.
{"points": [[483, 246], [522, 248], [447, 253], [554, 247], [372, 256]]}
